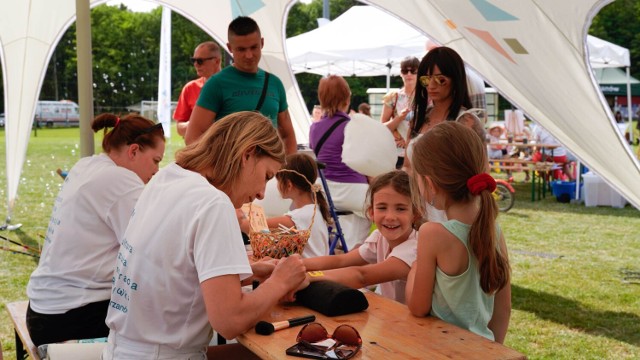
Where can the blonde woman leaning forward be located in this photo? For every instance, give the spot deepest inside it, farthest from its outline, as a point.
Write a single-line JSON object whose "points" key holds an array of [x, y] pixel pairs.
{"points": [[182, 261]]}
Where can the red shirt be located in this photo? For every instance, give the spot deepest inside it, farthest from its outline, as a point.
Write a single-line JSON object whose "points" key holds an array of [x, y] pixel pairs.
{"points": [[188, 99]]}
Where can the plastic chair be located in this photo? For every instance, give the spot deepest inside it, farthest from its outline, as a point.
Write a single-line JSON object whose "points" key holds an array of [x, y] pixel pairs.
{"points": [[335, 231]]}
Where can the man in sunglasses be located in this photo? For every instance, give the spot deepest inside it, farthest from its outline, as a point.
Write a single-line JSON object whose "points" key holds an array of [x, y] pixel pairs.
{"points": [[206, 60], [243, 87]]}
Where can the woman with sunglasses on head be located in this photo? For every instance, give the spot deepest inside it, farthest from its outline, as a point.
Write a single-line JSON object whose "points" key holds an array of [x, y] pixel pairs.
{"points": [[441, 95], [397, 105], [69, 291], [441, 92]]}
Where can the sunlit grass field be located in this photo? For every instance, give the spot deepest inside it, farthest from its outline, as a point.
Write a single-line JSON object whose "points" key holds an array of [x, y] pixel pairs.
{"points": [[576, 270]]}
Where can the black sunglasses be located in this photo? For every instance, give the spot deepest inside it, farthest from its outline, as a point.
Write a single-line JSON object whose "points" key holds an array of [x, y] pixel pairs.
{"points": [[406, 71], [200, 60], [151, 129]]}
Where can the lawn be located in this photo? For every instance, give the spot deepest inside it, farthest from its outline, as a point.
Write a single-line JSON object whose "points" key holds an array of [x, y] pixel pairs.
{"points": [[576, 276]]}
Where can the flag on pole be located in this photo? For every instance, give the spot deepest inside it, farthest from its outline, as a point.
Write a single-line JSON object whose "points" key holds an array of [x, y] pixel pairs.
{"points": [[164, 73]]}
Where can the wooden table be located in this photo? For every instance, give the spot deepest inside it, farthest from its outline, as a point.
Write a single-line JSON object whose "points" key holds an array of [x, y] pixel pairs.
{"points": [[388, 331], [529, 145], [544, 167]]}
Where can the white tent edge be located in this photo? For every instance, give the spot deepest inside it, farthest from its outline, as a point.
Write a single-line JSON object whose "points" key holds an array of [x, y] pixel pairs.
{"points": [[561, 51], [34, 29]]}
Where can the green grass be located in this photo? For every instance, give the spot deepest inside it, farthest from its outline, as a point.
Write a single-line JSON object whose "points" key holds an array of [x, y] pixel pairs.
{"points": [[576, 275]]}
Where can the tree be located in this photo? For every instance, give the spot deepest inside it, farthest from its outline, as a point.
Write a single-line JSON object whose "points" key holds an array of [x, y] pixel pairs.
{"points": [[185, 36], [618, 23], [301, 19], [126, 47]]}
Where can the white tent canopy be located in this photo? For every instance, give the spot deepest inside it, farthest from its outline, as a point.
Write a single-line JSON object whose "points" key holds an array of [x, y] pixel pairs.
{"points": [[605, 54], [545, 72], [363, 41]]}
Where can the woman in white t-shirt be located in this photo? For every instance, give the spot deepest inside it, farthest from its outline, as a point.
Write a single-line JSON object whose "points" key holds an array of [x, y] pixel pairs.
{"points": [[182, 262], [69, 290]]}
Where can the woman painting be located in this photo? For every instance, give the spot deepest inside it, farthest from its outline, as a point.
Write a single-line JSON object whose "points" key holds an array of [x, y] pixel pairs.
{"points": [[182, 264]]}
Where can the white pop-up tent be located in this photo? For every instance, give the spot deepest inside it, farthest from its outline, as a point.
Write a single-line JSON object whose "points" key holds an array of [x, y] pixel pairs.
{"points": [[606, 54], [545, 72], [363, 41], [603, 54]]}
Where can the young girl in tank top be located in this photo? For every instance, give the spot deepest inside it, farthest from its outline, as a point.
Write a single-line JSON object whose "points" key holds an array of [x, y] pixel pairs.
{"points": [[462, 272]]}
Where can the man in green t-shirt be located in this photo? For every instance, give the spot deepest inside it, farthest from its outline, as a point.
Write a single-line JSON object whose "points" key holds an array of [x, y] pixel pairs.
{"points": [[241, 86]]}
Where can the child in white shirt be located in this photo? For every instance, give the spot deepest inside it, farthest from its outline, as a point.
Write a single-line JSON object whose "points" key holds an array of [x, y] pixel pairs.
{"points": [[295, 182]]}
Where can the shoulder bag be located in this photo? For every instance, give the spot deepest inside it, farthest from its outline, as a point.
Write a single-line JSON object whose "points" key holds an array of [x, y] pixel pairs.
{"points": [[264, 91]]}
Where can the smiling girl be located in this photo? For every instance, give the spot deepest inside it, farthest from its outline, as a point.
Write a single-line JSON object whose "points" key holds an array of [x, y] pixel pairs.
{"points": [[386, 256]]}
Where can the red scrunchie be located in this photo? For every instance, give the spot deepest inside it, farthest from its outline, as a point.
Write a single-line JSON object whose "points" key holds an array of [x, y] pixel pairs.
{"points": [[117, 122], [481, 182]]}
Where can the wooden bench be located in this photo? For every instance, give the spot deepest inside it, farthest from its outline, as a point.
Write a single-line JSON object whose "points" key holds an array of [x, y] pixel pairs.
{"points": [[544, 169], [24, 345], [521, 165]]}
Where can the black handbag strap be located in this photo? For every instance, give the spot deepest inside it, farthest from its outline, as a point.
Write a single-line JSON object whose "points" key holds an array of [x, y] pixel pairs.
{"points": [[326, 135], [264, 91]]}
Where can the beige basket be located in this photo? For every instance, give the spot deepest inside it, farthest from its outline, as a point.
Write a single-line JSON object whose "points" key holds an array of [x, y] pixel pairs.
{"points": [[277, 244]]}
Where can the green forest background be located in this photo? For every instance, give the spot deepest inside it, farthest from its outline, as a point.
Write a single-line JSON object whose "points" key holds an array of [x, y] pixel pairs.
{"points": [[126, 48]]}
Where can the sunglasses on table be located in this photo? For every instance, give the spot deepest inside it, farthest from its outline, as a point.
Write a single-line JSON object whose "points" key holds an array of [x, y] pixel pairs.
{"points": [[440, 79], [314, 341], [200, 60], [406, 71]]}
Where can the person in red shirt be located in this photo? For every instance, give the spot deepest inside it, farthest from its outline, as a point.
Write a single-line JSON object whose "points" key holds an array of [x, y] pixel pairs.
{"points": [[206, 60]]}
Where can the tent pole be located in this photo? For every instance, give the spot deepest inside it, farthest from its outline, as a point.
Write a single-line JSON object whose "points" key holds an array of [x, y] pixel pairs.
{"points": [[578, 171], [629, 106], [388, 76], [85, 76]]}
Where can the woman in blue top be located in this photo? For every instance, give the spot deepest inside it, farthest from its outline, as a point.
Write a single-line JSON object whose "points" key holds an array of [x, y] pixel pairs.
{"points": [[462, 272]]}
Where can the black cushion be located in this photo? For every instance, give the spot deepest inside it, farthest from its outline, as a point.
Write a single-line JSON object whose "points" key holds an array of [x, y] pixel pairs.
{"points": [[331, 298]]}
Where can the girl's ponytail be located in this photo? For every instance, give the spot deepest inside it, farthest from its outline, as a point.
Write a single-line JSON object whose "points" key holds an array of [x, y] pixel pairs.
{"points": [[493, 266], [306, 166]]}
